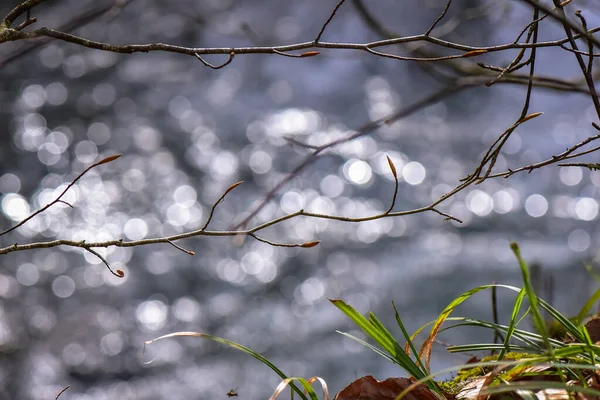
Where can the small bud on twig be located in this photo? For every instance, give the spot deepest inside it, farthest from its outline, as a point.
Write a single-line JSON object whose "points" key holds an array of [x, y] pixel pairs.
{"points": [[230, 188], [310, 54], [310, 244], [108, 159], [474, 53], [530, 116], [392, 167]]}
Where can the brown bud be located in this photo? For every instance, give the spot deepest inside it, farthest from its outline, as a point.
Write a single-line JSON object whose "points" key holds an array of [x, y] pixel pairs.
{"points": [[310, 54], [310, 244], [474, 53], [530, 116], [230, 188], [120, 273], [392, 167], [108, 159]]}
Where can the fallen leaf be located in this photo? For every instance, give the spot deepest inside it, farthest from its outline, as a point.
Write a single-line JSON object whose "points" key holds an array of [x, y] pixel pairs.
{"points": [[369, 388]]}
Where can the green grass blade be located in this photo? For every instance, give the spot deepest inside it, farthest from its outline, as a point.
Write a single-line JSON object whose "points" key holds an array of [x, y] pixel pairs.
{"points": [[379, 337], [538, 320], [426, 348], [236, 346], [375, 329], [370, 346], [585, 310], [408, 339], [512, 323], [537, 385], [462, 348], [399, 354]]}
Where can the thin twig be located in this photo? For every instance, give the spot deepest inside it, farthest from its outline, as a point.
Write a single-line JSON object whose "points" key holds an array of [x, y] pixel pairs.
{"points": [[231, 55], [328, 21], [212, 210], [441, 16], [395, 174], [26, 23], [58, 199], [61, 392], [178, 247], [589, 79], [275, 244], [560, 17], [118, 274], [364, 130]]}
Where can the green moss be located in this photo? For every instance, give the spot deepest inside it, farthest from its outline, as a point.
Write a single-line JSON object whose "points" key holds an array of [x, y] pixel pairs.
{"points": [[466, 375]]}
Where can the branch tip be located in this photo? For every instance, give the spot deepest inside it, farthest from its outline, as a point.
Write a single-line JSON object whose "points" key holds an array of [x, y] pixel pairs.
{"points": [[108, 159], [530, 116], [308, 245], [310, 54], [392, 167], [474, 53]]}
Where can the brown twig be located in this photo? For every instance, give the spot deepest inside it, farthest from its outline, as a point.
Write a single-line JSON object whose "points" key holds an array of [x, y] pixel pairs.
{"points": [[231, 55], [12, 35], [58, 199], [328, 21], [212, 210], [439, 18], [24, 6], [118, 274], [395, 174], [61, 392]]}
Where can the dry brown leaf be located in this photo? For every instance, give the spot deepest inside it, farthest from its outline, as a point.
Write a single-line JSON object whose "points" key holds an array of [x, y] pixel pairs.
{"points": [[369, 388]]}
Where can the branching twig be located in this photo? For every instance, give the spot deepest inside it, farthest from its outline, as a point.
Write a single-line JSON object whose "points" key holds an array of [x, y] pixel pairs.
{"points": [[58, 199], [212, 210], [20, 9]]}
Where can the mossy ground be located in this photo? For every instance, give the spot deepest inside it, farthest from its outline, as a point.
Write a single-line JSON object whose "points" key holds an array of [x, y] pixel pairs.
{"points": [[466, 375]]}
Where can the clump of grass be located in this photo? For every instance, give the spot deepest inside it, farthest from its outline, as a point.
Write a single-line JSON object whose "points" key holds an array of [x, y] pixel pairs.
{"points": [[525, 362]]}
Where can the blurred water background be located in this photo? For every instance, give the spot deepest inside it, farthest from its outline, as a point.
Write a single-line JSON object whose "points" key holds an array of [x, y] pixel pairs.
{"points": [[187, 132]]}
